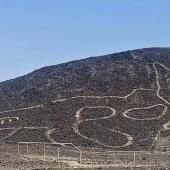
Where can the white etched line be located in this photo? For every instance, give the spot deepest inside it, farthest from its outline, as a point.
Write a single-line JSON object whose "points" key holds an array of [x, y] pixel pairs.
{"points": [[157, 82], [103, 97], [78, 121], [20, 109], [14, 117], [125, 114], [78, 113], [166, 126]]}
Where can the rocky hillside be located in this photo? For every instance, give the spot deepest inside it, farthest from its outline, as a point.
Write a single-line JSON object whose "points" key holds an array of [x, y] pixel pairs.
{"points": [[117, 101]]}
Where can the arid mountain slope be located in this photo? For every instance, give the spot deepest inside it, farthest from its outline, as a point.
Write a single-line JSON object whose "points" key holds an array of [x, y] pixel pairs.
{"points": [[117, 101]]}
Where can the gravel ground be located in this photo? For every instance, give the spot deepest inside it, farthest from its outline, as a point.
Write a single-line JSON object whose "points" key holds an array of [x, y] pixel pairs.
{"points": [[9, 160]]}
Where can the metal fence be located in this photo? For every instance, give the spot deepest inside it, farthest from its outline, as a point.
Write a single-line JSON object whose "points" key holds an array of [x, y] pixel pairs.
{"points": [[162, 142], [134, 158], [70, 153]]}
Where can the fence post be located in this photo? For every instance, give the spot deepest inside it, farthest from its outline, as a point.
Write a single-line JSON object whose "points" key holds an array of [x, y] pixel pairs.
{"points": [[114, 157], [80, 157], [58, 155], [159, 136], [27, 149], [92, 161], [134, 157], [44, 152], [18, 149]]}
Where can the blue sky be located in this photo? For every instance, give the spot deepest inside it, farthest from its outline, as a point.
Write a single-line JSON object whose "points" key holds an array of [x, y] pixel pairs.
{"points": [[36, 33]]}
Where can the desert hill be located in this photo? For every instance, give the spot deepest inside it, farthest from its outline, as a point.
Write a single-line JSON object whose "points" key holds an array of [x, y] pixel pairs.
{"points": [[117, 101]]}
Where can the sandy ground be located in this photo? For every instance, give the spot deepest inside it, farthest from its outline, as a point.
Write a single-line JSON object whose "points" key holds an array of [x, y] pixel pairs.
{"points": [[9, 160]]}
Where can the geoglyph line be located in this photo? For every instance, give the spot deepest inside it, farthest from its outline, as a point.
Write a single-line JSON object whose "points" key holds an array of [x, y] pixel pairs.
{"points": [[2, 119], [75, 127], [78, 113], [8, 128], [78, 121], [35, 127], [14, 117], [103, 97], [130, 139], [76, 97], [20, 109], [166, 126], [157, 82], [14, 131], [100, 97], [125, 114], [49, 132]]}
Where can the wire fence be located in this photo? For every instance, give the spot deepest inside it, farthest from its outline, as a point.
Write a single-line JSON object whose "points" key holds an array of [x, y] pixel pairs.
{"points": [[162, 142], [72, 155]]}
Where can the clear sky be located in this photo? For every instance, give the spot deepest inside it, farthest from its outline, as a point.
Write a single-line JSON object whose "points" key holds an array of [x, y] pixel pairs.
{"points": [[36, 33]]}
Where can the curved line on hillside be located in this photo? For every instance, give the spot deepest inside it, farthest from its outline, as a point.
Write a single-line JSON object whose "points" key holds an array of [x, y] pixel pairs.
{"points": [[130, 139], [78, 113], [14, 131], [49, 132], [76, 97], [166, 126], [24, 108], [125, 114], [158, 83], [99, 97], [103, 97], [8, 128], [78, 121], [14, 117]]}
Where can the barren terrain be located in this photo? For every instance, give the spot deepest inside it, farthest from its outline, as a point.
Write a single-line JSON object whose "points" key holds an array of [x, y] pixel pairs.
{"points": [[117, 102]]}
